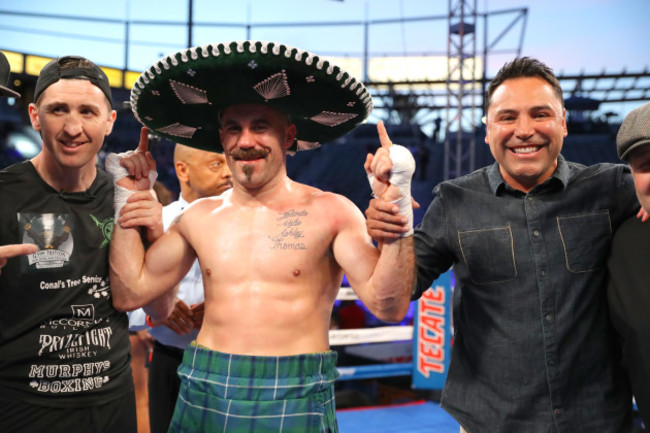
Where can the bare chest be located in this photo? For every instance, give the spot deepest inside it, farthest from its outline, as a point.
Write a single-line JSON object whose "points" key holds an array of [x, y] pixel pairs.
{"points": [[263, 243]]}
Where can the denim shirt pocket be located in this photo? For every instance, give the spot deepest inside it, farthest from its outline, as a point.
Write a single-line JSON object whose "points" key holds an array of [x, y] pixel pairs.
{"points": [[586, 239], [489, 254]]}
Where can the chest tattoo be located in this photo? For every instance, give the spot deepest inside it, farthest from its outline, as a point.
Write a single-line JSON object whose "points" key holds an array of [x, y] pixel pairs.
{"points": [[289, 233]]}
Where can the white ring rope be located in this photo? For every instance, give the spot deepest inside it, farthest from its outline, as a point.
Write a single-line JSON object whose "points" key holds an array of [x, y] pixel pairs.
{"points": [[339, 337]]}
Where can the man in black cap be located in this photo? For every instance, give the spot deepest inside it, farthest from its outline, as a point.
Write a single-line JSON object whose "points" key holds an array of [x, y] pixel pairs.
{"points": [[9, 251], [64, 349], [629, 287]]}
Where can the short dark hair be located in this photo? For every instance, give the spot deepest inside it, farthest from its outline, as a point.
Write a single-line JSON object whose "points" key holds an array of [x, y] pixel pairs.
{"points": [[70, 62], [523, 67]]}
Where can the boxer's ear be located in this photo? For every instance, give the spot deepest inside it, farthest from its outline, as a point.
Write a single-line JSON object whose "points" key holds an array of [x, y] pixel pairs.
{"points": [[33, 117], [290, 136]]}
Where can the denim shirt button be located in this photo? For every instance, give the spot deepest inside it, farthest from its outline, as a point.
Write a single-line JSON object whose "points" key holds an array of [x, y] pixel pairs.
{"points": [[536, 233], [548, 317]]}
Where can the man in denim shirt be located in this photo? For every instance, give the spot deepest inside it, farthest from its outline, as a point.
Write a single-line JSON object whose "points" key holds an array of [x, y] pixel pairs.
{"points": [[528, 239]]}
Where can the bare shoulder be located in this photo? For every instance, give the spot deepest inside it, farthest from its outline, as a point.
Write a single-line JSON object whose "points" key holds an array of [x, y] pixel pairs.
{"points": [[335, 206], [206, 204], [200, 208], [327, 198]]}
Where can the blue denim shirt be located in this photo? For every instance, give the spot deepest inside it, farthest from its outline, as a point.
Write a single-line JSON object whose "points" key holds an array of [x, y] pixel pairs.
{"points": [[533, 349]]}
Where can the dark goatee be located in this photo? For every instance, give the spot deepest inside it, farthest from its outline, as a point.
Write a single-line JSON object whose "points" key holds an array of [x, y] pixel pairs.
{"points": [[248, 171]]}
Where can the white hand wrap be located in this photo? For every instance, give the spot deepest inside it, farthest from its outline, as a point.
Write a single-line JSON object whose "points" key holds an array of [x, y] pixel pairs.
{"points": [[400, 176], [113, 167]]}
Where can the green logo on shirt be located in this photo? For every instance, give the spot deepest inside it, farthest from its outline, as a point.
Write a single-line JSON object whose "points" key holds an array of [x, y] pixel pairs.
{"points": [[106, 227]]}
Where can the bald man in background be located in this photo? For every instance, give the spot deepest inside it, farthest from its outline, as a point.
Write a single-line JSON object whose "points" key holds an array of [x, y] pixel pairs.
{"points": [[200, 174]]}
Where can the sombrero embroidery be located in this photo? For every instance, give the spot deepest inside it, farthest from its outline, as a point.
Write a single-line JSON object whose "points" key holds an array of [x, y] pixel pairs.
{"points": [[181, 96]]}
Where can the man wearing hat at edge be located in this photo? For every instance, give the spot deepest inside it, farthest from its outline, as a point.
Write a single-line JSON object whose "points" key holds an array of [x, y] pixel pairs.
{"points": [[629, 286], [9, 251], [272, 251], [5, 75], [64, 348]]}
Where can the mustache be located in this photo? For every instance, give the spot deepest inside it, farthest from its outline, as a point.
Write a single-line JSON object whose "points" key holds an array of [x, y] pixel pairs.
{"points": [[250, 153]]}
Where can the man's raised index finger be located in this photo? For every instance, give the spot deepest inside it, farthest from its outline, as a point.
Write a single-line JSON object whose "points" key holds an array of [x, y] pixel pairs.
{"points": [[384, 139], [143, 146]]}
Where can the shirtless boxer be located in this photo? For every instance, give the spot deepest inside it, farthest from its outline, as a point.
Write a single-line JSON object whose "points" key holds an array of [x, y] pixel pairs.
{"points": [[272, 253]]}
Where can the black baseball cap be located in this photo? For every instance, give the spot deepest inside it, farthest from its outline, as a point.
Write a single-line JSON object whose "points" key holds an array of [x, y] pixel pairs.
{"points": [[54, 71], [4, 78]]}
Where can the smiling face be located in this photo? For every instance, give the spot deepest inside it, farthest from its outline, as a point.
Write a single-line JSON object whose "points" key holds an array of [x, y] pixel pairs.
{"points": [[255, 139], [73, 117], [526, 126]]}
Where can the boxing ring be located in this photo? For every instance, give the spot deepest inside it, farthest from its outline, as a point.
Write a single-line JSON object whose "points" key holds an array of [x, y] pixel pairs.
{"points": [[428, 344]]}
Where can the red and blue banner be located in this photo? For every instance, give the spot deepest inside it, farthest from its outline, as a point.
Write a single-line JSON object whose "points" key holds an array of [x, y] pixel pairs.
{"points": [[432, 334]]}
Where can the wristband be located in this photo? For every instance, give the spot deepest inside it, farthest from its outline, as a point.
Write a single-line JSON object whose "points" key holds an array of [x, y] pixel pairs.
{"points": [[400, 177], [113, 167], [149, 322]]}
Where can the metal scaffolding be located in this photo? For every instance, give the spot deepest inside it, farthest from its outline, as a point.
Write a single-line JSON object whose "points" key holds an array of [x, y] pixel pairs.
{"points": [[461, 94]]}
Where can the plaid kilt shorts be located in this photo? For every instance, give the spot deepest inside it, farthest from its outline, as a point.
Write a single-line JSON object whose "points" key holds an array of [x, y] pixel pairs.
{"points": [[221, 392]]}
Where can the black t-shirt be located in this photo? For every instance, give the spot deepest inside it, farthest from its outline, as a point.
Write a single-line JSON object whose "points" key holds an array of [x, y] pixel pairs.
{"points": [[62, 343]]}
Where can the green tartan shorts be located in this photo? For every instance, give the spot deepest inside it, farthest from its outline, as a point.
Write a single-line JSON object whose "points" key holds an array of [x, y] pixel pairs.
{"points": [[221, 392]]}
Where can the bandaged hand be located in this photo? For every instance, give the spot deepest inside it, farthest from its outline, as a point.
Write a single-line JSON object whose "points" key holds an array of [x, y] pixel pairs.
{"points": [[131, 171], [390, 172]]}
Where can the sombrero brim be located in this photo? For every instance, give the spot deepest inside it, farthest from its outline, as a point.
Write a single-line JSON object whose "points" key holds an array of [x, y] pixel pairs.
{"points": [[181, 96]]}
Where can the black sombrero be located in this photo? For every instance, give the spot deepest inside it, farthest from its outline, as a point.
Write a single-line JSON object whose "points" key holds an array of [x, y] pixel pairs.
{"points": [[181, 96]]}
